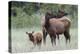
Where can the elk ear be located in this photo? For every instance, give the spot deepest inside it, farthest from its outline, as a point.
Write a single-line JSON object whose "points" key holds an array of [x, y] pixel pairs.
{"points": [[32, 32], [26, 32]]}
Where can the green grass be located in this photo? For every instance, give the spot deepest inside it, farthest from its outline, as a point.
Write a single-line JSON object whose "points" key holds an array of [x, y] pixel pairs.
{"points": [[21, 43]]}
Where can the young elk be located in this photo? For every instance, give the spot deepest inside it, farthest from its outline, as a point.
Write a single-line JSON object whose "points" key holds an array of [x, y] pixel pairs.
{"points": [[36, 38]]}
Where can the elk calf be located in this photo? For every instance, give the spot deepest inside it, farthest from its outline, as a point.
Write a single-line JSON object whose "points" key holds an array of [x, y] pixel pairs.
{"points": [[36, 38]]}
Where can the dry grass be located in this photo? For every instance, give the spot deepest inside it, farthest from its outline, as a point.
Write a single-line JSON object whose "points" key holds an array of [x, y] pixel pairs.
{"points": [[21, 43]]}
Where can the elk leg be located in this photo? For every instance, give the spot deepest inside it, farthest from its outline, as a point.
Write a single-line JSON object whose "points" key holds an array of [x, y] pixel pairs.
{"points": [[54, 38], [67, 36], [44, 36], [51, 39], [58, 36], [39, 44], [34, 45]]}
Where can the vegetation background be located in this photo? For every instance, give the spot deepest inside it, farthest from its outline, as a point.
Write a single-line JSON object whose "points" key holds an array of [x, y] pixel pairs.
{"points": [[27, 14]]}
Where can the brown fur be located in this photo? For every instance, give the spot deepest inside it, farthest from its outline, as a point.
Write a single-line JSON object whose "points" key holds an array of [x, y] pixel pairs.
{"points": [[59, 26], [37, 38], [61, 21]]}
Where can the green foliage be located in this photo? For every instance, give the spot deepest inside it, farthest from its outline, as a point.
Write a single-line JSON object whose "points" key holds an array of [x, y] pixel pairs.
{"points": [[28, 14]]}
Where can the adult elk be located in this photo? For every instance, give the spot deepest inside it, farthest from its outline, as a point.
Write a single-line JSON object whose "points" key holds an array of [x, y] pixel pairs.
{"points": [[52, 24]]}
